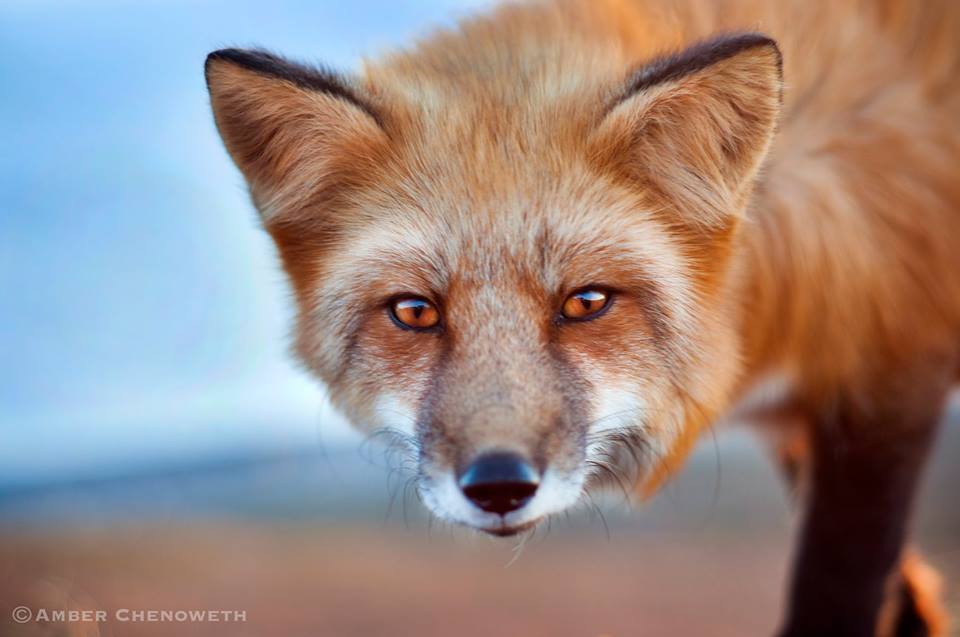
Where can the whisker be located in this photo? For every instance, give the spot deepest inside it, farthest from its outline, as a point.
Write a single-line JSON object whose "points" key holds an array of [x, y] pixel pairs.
{"points": [[606, 470], [519, 547], [611, 445], [406, 487], [599, 512], [393, 497]]}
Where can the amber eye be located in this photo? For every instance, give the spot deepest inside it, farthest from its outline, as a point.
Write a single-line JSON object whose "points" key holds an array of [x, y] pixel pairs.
{"points": [[585, 304], [415, 313]]}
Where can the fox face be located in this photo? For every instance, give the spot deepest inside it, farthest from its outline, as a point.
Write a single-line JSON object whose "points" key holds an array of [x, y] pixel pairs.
{"points": [[517, 266]]}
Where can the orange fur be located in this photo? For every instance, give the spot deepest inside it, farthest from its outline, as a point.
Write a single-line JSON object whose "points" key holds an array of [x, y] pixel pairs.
{"points": [[752, 213]]}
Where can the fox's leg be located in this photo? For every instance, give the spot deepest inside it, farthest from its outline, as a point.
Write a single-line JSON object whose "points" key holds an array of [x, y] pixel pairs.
{"points": [[913, 606], [863, 465]]}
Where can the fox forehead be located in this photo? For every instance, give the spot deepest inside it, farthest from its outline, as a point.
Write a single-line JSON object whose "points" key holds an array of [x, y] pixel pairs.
{"points": [[543, 245], [556, 234]]}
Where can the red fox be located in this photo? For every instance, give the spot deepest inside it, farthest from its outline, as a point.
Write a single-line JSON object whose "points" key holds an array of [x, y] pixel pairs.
{"points": [[552, 245]]}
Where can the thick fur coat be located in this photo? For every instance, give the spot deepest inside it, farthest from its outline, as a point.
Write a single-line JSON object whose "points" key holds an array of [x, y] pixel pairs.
{"points": [[766, 194]]}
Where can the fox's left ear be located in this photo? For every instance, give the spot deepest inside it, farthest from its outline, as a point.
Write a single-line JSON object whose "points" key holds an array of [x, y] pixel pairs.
{"points": [[695, 127]]}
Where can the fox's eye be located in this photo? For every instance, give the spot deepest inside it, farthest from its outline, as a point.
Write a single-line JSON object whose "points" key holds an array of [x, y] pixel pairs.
{"points": [[415, 313], [585, 304]]}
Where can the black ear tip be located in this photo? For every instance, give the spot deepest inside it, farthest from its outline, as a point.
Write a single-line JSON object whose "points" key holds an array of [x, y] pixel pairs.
{"points": [[752, 38], [756, 40], [266, 64], [241, 57], [216, 56], [727, 45], [213, 56], [257, 60], [764, 40], [699, 56]]}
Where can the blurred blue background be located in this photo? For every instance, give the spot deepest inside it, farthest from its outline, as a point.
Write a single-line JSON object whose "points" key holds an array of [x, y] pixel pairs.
{"points": [[144, 316]]}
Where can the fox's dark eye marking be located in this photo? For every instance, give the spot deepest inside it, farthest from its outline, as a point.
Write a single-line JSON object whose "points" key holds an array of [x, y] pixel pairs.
{"points": [[586, 304], [414, 313]]}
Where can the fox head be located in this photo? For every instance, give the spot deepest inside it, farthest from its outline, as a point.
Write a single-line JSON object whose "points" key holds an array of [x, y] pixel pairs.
{"points": [[517, 261]]}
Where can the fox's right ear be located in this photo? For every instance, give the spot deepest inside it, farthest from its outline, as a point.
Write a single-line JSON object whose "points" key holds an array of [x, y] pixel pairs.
{"points": [[297, 133], [695, 126]]}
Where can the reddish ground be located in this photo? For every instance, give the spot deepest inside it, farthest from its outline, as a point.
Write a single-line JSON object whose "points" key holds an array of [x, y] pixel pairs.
{"points": [[345, 582]]}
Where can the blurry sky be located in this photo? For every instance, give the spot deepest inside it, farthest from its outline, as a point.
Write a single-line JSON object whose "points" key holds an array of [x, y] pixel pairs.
{"points": [[143, 315]]}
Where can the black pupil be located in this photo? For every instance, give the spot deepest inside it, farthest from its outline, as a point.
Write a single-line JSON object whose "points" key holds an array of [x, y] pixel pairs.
{"points": [[418, 309], [591, 301]]}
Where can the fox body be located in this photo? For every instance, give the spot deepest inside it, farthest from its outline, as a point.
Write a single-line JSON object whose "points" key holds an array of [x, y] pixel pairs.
{"points": [[576, 233]]}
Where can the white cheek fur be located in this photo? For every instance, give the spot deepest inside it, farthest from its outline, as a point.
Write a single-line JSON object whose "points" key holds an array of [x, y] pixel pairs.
{"points": [[393, 414], [615, 408]]}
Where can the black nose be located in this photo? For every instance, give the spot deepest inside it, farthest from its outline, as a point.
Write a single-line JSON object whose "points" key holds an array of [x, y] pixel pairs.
{"points": [[499, 482]]}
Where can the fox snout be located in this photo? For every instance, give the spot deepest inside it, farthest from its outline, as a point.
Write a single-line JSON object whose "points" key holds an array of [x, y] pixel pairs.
{"points": [[502, 420], [499, 482], [500, 492]]}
